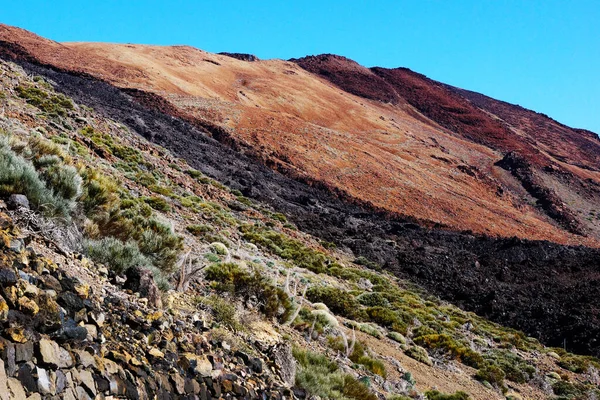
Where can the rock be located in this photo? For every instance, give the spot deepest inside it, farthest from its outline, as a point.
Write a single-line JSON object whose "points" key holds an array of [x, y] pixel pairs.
{"points": [[200, 365], [26, 378], [154, 352], [16, 334], [71, 302], [140, 280], [24, 352], [53, 355], [48, 281], [16, 201], [44, 383], [8, 277], [285, 361], [9, 356], [28, 306], [70, 331], [92, 332], [15, 390], [86, 380], [3, 310], [85, 359], [3, 382]]}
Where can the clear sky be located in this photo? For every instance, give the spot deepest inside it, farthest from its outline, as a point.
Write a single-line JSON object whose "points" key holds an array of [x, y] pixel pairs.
{"points": [[543, 55]]}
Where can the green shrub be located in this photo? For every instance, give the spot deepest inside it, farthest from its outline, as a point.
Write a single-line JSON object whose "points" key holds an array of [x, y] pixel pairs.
{"points": [[223, 311], [321, 377], [115, 254], [373, 299], [199, 229], [18, 176], [339, 301], [373, 365], [451, 347], [231, 278], [419, 354], [435, 395], [286, 248], [158, 203], [514, 366], [387, 318], [492, 374], [52, 104]]}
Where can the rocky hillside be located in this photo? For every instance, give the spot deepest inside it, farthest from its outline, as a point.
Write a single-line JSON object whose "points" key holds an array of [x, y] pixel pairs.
{"points": [[149, 253], [388, 139]]}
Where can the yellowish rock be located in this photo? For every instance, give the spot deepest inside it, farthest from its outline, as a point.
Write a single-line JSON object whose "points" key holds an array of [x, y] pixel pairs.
{"points": [[28, 306]]}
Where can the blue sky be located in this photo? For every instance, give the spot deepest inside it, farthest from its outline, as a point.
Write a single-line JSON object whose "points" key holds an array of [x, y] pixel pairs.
{"points": [[543, 55]]}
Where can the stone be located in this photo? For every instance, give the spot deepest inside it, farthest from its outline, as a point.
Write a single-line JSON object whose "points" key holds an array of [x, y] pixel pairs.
{"points": [[48, 281], [53, 355], [8, 277], [200, 365], [82, 290], [24, 352], [16, 334], [69, 394], [154, 352], [178, 383], [28, 306], [3, 382], [61, 382], [26, 378], [16, 201], [141, 280], [284, 359], [71, 302], [85, 359], [3, 309], [44, 383], [15, 390], [86, 380], [92, 332], [81, 394]]}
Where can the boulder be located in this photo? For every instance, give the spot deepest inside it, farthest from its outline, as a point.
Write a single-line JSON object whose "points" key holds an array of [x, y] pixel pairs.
{"points": [[53, 355], [16, 201]]}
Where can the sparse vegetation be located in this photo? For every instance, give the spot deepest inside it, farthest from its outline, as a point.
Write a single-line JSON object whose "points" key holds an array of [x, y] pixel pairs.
{"points": [[321, 377]]}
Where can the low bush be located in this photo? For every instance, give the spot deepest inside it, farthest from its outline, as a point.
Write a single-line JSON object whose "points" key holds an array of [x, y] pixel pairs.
{"points": [[435, 395], [286, 248], [321, 377], [117, 255], [337, 300], [53, 104], [229, 277], [387, 318], [158, 203], [492, 374], [199, 229], [373, 299], [514, 366], [223, 311], [451, 347], [19, 176]]}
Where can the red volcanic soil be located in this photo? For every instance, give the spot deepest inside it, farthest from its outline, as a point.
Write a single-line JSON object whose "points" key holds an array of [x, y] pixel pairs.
{"points": [[392, 139]]}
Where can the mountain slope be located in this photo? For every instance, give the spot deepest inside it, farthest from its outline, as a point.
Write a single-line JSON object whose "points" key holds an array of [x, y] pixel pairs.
{"points": [[387, 152]]}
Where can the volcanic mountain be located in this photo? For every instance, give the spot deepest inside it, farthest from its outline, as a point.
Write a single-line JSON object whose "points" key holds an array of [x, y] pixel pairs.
{"points": [[483, 203], [390, 139]]}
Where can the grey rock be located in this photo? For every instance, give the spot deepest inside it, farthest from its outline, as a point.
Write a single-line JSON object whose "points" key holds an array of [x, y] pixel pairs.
{"points": [[45, 383], [16, 201], [53, 355], [283, 358], [8, 277], [24, 352]]}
